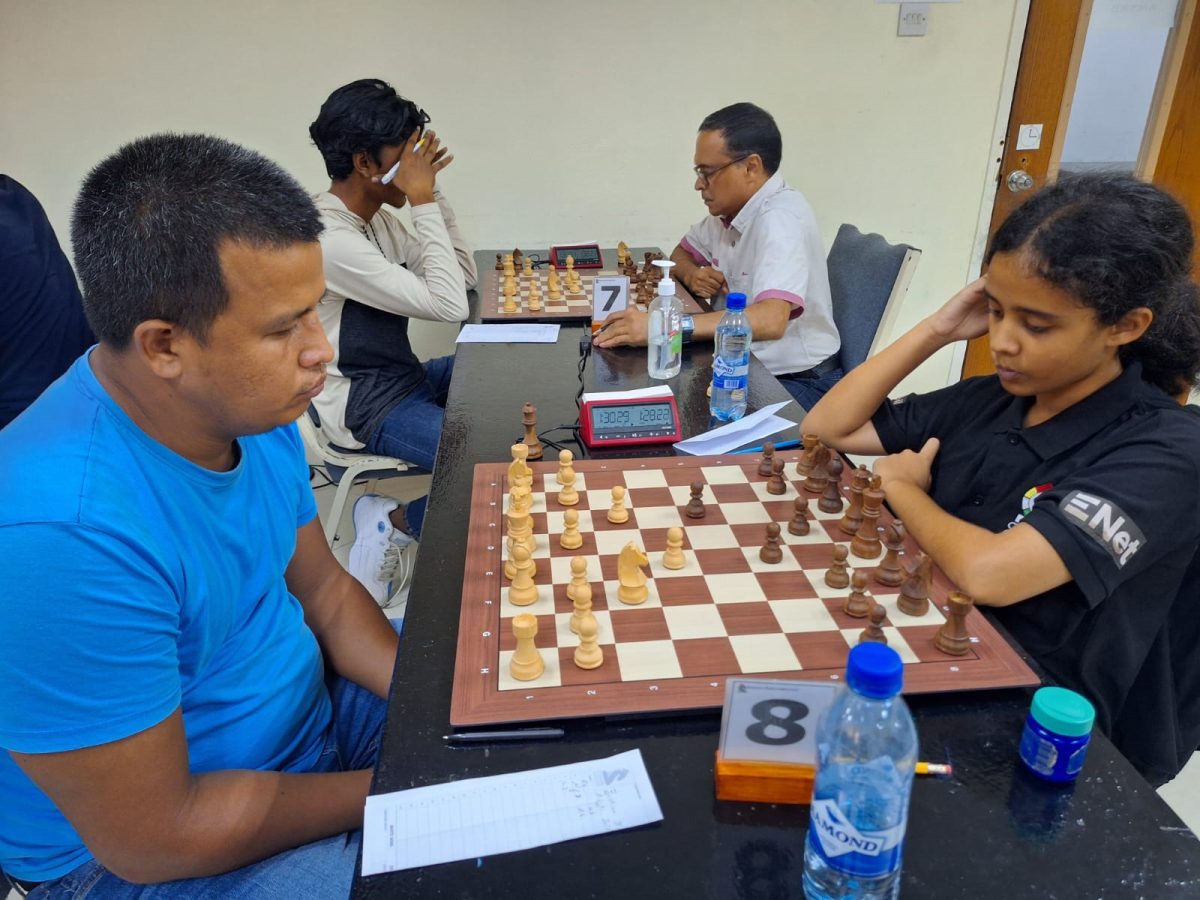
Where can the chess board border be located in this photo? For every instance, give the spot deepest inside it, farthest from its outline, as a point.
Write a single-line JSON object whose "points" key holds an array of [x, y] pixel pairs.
{"points": [[491, 301], [477, 698]]}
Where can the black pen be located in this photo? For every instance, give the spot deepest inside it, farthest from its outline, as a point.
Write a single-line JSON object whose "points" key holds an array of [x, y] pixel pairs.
{"points": [[519, 734]]}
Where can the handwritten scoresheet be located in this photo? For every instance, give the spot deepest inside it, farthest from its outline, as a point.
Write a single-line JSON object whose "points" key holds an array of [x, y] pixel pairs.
{"points": [[501, 813]]}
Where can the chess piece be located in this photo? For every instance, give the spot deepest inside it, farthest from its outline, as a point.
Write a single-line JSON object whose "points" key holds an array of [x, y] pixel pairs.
{"points": [[771, 552], [673, 557], [499, 263], [831, 497], [859, 603], [914, 589], [568, 496], [695, 507], [768, 457], [866, 543], [838, 575], [804, 464], [889, 571], [622, 253], [510, 301], [852, 520], [589, 655], [520, 527], [527, 265], [517, 258], [618, 514], [526, 663], [552, 285], [529, 420], [799, 524], [632, 579], [518, 472], [579, 592], [522, 591], [776, 484], [566, 460], [570, 539], [818, 472], [535, 296], [952, 637], [874, 631]]}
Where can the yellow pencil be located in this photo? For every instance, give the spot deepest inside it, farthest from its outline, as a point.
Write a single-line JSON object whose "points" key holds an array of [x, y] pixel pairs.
{"points": [[928, 768]]}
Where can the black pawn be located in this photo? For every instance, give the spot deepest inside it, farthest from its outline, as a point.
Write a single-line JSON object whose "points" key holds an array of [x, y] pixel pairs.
{"points": [[695, 507], [768, 457], [799, 524], [837, 576], [874, 631], [831, 497], [771, 552], [776, 484]]}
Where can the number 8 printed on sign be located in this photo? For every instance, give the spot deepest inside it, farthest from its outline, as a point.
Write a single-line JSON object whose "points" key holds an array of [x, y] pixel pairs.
{"points": [[772, 721]]}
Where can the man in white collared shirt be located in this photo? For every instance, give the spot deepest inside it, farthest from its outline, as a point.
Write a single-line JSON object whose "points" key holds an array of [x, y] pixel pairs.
{"points": [[761, 239]]}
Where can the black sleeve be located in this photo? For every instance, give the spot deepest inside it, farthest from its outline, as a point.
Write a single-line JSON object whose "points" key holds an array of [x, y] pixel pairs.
{"points": [[907, 423], [1115, 518]]}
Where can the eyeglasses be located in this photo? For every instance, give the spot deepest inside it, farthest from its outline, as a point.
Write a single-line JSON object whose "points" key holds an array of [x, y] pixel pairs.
{"points": [[705, 176]]}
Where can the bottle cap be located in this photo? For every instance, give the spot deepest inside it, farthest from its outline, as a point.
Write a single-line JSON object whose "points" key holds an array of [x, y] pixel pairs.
{"points": [[874, 670], [666, 286], [735, 301], [1063, 712]]}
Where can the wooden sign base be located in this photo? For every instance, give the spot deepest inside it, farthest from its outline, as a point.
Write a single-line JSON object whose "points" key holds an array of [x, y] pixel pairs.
{"points": [[763, 782]]}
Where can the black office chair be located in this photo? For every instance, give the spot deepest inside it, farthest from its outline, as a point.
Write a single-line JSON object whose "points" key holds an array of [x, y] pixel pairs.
{"points": [[868, 277]]}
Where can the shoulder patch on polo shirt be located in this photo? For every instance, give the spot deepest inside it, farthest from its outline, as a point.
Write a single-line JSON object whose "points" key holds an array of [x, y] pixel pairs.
{"points": [[1106, 524]]}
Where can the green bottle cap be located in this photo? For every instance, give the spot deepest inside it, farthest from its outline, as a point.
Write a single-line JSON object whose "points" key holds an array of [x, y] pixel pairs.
{"points": [[1063, 712]]}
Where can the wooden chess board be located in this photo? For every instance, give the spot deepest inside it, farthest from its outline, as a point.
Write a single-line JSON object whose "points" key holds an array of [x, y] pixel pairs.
{"points": [[725, 614], [569, 308]]}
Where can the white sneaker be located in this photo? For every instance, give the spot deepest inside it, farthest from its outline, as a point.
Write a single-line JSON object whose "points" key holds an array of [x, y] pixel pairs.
{"points": [[377, 553]]}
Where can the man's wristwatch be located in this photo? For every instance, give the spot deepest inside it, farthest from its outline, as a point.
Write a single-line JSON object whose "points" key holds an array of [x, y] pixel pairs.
{"points": [[687, 326]]}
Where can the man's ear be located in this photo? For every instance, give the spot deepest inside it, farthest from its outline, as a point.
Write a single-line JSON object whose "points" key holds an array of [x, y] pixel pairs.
{"points": [[754, 167], [363, 163], [156, 343]]}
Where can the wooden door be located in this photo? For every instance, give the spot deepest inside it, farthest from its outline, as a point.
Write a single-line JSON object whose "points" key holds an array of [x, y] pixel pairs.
{"points": [[1170, 157]]}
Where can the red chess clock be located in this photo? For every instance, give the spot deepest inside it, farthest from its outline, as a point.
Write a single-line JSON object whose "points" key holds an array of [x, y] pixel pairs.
{"points": [[587, 256], [617, 423]]}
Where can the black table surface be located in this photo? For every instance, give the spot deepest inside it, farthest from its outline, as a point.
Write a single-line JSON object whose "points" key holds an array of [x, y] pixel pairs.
{"points": [[991, 830]]}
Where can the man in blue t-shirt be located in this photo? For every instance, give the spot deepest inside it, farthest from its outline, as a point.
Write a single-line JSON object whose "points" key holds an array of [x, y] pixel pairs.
{"points": [[44, 328], [169, 609]]}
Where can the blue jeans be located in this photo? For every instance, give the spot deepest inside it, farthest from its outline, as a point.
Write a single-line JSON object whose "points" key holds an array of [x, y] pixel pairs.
{"points": [[413, 428], [318, 870], [807, 391]]}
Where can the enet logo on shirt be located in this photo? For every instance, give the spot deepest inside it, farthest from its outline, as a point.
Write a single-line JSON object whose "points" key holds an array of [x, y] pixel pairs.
{"points": [[1106, 523]]}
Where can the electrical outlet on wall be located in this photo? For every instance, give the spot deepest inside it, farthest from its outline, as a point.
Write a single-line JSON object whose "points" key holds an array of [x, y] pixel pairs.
{"points": [[914, 20]]}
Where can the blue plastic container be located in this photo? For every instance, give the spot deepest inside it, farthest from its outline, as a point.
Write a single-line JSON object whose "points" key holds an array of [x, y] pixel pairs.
{"points": [[1057, 732]]}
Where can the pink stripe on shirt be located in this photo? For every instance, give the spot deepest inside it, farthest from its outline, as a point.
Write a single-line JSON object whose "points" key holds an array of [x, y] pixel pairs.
{"points": [[700, 258], [776, 294]]}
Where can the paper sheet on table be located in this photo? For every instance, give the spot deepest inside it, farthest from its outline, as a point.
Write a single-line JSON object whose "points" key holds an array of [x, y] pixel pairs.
{"points": [[508, 333], [760, 424], [501, 813], [658, 390]]}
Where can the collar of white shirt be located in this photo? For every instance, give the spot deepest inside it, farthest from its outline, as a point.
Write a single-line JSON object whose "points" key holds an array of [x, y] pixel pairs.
{"points": [[753, 206]]}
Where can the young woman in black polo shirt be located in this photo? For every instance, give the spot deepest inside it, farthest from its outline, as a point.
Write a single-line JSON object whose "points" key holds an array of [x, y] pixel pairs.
{"points": [[1064, 491]]}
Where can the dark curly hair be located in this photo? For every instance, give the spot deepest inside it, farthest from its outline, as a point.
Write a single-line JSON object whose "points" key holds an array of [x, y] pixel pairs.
{"points": [[362, 116], [1116, 244]]}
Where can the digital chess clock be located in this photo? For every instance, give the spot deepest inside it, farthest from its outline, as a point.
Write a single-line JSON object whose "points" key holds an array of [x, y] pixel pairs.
{"points": [[620, 422], [587, 256]]}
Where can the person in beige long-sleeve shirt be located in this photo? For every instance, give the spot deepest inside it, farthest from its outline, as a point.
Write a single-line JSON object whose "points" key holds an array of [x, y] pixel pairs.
{"points": [[378, 274]]}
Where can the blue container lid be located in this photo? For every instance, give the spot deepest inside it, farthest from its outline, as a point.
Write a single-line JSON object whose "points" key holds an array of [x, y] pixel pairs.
{"points": [[875, 670], [1063, 712], [735, 301]]}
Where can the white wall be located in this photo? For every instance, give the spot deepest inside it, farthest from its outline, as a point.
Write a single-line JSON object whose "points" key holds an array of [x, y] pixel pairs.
{"points": [[560, 132]]}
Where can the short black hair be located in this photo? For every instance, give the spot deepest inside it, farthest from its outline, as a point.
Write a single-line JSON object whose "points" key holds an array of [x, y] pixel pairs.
{"points": [[748, 129], [362, 116], [150, 219], [1115, 244]]}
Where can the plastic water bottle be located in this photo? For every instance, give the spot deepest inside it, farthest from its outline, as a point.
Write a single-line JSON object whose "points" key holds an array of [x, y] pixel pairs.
{"points": [[867, 753], [731, 361], [664, 344]]}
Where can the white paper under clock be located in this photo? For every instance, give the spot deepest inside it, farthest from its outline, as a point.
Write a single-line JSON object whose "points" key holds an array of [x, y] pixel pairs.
{"points": [[610, 294], [770, 720]]}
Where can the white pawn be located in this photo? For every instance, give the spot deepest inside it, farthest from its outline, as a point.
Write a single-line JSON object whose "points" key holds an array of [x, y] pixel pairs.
{"points": [[568, 496], [566, 460], [618, 513], [570, 539], [589, 655], [673, 556], [535, 296], [522, 591], [579, 592]]}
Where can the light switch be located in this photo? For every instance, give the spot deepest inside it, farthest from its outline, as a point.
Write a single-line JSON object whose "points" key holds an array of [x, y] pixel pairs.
{"points": [[914, 20]]}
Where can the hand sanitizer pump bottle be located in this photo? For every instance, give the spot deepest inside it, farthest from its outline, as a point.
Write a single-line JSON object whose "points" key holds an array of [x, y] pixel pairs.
{"points": [[664, 340]]}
